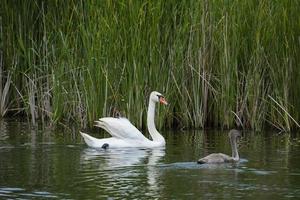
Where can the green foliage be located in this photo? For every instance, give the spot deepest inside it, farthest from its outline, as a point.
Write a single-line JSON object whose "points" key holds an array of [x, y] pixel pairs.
{"points": [[219, 63]]}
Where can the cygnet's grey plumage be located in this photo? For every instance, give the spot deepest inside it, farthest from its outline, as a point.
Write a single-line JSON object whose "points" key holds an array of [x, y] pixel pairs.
{"points": [[216, 158]]}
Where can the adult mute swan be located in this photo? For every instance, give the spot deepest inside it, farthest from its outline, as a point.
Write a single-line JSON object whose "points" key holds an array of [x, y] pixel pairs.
{"points": [[216, 158], [124, 134]]}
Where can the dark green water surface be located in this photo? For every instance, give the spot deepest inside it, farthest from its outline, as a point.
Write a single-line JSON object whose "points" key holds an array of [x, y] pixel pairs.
{"points": [[40, 163]]}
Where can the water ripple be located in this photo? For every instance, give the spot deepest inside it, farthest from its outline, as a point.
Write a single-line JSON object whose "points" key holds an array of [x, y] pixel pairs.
{"points": [[20, 193]]}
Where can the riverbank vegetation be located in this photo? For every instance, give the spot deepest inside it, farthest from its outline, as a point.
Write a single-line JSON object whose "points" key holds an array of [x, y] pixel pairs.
{"points": [[219, 63]]}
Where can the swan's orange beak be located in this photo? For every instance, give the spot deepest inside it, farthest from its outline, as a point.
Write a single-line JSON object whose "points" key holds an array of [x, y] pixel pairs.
{"points": [[162, 100]]}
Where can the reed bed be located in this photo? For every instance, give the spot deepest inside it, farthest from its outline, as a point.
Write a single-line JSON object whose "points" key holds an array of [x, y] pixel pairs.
{"points": [[221, 64]]}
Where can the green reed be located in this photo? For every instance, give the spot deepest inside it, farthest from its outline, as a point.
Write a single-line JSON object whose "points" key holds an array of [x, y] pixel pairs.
{"points": [[220, 64]]}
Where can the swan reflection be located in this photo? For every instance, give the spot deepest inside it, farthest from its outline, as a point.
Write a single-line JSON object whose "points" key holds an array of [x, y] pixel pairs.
{"points": [[111, 158], [123, 170]]}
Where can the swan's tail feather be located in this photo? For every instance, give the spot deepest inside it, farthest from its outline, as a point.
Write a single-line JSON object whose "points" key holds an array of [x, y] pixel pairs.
{"points": [[94, 142], [89, 140]]}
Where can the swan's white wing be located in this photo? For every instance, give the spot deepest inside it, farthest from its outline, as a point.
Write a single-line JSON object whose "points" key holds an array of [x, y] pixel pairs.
{"points": [[120, 128]]}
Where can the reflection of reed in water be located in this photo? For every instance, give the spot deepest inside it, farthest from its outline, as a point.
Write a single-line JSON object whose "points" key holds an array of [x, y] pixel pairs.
{"points": [[3, 130]]}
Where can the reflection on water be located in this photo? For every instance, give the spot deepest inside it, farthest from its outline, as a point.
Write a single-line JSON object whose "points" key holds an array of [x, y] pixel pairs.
{"points": [[122, 170], [19, 193], [40, 163], [112, 158], [194, 165]]}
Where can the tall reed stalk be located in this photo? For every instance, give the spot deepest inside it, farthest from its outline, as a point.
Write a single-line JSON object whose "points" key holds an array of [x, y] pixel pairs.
{"points": [[219, 63]]}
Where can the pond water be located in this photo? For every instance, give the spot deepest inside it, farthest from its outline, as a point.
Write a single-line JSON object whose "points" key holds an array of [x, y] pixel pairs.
{"points": [[40, 163]]}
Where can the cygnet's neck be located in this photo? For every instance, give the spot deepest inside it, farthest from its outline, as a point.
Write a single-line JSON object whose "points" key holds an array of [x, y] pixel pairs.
{"points": [[235, 153]]}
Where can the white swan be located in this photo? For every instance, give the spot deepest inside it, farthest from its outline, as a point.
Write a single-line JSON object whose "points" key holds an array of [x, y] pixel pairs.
{"points": [[124, 134], [216, 158]]}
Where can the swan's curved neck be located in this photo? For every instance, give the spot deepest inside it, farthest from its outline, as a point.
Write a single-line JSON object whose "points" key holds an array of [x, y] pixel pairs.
{"points": [[235, 153], [156, 136]]}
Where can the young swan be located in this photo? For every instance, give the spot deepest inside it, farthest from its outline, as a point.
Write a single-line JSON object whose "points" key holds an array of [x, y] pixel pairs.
{"points": [[216, 158]]}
